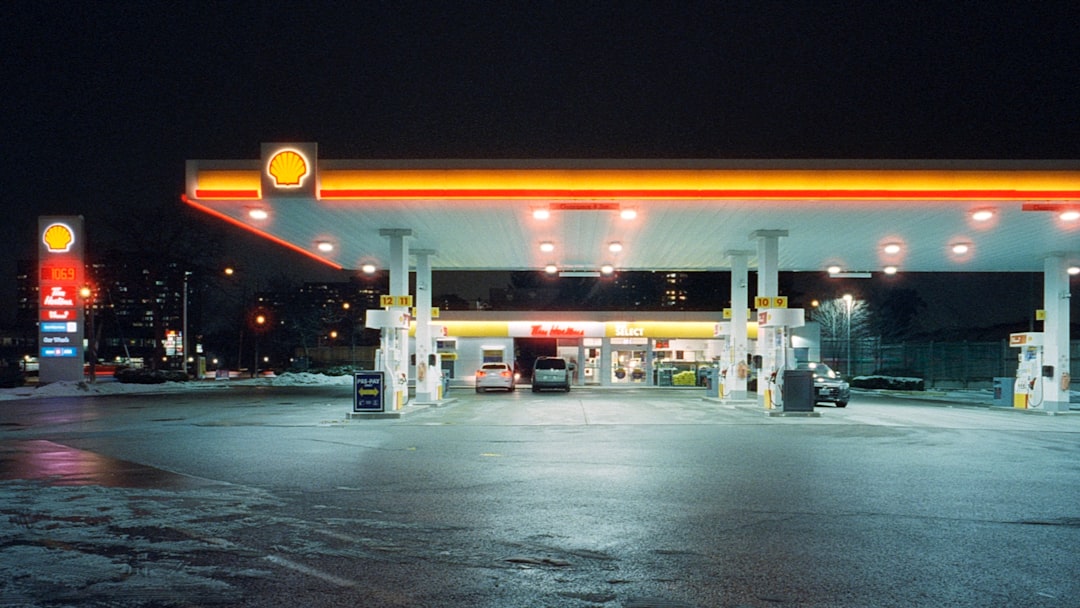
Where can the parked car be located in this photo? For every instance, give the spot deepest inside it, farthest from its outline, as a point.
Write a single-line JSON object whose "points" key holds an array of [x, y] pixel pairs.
{"points": [[495, 375], [551, 372], [828, 385]]}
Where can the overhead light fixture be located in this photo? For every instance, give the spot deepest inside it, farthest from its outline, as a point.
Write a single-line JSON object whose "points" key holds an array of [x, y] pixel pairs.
{"points": [[368, 268], [889, 270], [547, 246], [982, 215], [834, 269], [892, 248], [1073, 270], [325, 246], [1069, 215], [961, 248], [614, 247], [607, 269], [551, 269], [258, 213], [628, 214], [541, 213]]}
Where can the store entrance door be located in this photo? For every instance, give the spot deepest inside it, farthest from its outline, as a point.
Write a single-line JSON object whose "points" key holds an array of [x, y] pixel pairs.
{"points": [[628, 364]]}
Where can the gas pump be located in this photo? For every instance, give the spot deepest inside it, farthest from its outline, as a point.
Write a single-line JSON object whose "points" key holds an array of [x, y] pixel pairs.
{"points": [[1028, 390], [776, 353], [393, 325]]}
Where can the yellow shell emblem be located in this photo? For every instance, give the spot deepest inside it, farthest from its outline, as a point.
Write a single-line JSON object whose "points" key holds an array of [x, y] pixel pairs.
{"points": [[287, 168], [58, 237]]}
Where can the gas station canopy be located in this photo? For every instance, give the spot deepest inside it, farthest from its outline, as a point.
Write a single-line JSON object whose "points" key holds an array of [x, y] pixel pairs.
{"points": [[580, 215]]}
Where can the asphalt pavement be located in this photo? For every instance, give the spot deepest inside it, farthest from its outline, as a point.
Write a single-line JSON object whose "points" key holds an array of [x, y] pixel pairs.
{"points": [[258, 497]]}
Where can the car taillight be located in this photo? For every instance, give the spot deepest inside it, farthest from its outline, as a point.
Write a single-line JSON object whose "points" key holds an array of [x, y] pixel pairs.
{"points": [[504, 374], [480, 374]]}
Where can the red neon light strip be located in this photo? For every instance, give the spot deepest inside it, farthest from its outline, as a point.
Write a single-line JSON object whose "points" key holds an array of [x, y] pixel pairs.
{"points": [[708, 194], [226, 194], [265, 235]]}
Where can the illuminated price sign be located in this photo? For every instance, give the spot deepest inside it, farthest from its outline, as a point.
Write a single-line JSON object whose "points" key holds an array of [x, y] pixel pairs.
{"points": [[59, 273]]}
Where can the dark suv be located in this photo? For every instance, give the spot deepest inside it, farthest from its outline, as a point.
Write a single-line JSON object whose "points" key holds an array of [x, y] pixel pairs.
{"points": [[551, 372]]}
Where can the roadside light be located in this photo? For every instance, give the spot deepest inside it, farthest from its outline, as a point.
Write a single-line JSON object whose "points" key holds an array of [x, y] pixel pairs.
{"points": [[260, 319], [333, 335], [229, 271]]}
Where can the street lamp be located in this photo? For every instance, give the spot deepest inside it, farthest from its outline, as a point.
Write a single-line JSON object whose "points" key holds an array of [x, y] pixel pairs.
{"points": [[87, 294], [849, 301]]}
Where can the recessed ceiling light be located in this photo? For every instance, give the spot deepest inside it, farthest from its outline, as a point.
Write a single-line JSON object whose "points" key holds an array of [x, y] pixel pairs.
{"points": [[607, 269], [541, 213], [1074, 270], [547, 246], [982, 215], [892, 248], [325, 246], [890, 269], [628, 214], [1070, 215], [551, 269], [834, 269], [614, 247], [368, 268], [961, 248], [258, 213]]}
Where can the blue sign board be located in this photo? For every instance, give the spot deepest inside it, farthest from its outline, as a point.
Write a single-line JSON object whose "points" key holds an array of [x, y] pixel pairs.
{"points": [[62, 351], [368, 387], [62, 327]]}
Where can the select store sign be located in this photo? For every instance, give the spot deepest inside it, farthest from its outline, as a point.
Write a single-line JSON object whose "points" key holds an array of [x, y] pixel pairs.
{"points": [[60, 307]]}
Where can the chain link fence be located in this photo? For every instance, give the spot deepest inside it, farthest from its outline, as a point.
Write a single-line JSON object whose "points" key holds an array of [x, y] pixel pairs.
{"points": [[939, 364]]}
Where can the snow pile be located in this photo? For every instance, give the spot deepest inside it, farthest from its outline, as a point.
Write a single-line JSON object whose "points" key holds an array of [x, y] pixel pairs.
{"points": [[111, 387]]}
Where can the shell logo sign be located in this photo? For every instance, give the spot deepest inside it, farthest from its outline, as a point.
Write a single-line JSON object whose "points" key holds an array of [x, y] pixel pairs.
{"points": [[58, 238], [288, 169]]}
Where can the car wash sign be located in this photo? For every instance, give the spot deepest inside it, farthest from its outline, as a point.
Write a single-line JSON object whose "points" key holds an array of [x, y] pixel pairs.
{"points": [[60, 307]]}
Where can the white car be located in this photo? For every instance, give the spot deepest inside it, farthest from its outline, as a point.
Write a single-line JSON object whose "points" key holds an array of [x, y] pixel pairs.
{"points": [[494, 375]]}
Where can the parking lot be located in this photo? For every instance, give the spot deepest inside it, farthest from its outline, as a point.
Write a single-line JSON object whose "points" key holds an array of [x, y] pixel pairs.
{"points": [[614, 498]]}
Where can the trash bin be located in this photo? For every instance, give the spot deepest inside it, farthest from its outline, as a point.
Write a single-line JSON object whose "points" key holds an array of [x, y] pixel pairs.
{"points": [[1003, 392], [798, 390], [711, 375]]}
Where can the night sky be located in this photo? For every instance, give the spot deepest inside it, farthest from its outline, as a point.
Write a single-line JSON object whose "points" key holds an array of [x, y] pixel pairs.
{"points": [[103, 101]]}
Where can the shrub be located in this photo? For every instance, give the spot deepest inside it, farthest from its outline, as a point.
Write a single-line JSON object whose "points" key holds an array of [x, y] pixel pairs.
{"points": [[138, 375], [894, 383]]}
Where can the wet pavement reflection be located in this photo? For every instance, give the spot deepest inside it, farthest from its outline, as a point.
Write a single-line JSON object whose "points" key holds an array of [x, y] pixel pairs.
{"points": [[62, 465]]}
